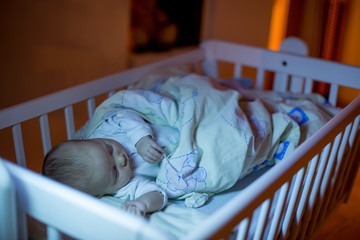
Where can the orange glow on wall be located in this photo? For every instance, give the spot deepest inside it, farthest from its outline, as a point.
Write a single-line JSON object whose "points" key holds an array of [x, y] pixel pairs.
{"points": [[278, 23]]}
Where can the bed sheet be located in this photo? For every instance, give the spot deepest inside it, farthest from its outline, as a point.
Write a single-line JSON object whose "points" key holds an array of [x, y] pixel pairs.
{"points": [[178, 220]]}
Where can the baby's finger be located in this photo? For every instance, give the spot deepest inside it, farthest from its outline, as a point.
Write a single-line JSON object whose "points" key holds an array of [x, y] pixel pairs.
{"points": [[155, 155], [157, 147], [150, 159], [136, 211], [133, 209]]}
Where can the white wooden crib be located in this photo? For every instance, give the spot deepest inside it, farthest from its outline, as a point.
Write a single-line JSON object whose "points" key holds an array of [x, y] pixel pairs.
{"points": [[290, 200]]}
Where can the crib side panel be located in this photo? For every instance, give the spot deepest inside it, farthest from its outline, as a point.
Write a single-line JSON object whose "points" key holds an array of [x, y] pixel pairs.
{"points": [[318, 175], [37, 107], [66, 99], [39, 111], [311, 196], [296, 73], [303, 193], [77, 216]]}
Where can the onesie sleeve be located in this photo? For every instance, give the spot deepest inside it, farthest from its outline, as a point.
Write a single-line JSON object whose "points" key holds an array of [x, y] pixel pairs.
{"points": [[134, 125], [138, 186]]}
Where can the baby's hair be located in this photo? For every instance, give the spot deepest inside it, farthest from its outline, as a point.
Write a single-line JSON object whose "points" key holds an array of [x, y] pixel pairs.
{"points": [[66, 163]]}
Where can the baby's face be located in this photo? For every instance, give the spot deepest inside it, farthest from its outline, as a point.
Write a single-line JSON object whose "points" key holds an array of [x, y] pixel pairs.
{"points": [[109, 165]]}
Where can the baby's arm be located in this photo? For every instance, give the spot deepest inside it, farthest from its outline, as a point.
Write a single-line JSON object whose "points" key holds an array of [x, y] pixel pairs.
{"points": [[149, 150], [146, 203]]}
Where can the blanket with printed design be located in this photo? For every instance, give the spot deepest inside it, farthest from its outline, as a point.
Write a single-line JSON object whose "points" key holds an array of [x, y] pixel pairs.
{"points": [[223, 136]]}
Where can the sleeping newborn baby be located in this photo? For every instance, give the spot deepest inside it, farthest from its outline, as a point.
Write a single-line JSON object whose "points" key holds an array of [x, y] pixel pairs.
{"points": [[116, 160]]}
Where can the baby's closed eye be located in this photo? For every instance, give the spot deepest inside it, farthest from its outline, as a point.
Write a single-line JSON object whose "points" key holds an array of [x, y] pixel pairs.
{"points": [[115, 174]]}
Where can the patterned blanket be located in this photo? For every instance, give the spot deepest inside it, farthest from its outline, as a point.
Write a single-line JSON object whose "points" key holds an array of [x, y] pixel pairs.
{"points": [[223, 136]]}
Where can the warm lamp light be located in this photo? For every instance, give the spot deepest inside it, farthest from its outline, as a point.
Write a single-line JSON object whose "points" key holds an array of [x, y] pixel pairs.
{"points": [[278, 23]]}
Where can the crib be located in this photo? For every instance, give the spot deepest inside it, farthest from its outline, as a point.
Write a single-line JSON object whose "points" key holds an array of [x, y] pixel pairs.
{"points": [[287, 201]]}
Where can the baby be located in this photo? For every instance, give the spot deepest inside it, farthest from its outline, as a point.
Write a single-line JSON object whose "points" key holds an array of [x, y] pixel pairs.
{"points": [[102, 166]]}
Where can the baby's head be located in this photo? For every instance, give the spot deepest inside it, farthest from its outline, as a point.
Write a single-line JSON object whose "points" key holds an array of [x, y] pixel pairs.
{"points": [[95, 166]]}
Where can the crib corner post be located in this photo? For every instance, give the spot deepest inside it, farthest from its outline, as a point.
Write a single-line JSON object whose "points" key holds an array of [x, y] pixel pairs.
{"points": [[8, 210]]}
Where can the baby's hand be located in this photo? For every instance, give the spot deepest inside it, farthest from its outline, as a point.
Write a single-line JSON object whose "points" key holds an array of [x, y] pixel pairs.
{"points": [[149, 150], [135, 207]]}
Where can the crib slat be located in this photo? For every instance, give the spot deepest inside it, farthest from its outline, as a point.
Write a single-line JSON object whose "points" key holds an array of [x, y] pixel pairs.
{"points": [[280, 204], [210, 67], [345, 166], [314, 192], [331, 164], [243, 229], [19, 145], [260, 78], [294, 196], [307, 187], [343, 144], [325, 184], [22, 225], [353, 169], [319, 175], [296, 84], [53, 234], [262, 220], [353, 132], [342, 164], [308, 86], [320, 172], [237, 71], [91, 106], [69, 120], [305, 192], [332, 176], [281, 82], [333, 94], [45, 133]]}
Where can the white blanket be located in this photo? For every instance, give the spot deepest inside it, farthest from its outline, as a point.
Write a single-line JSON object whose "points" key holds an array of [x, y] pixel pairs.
{"points": [[223, 137]]}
